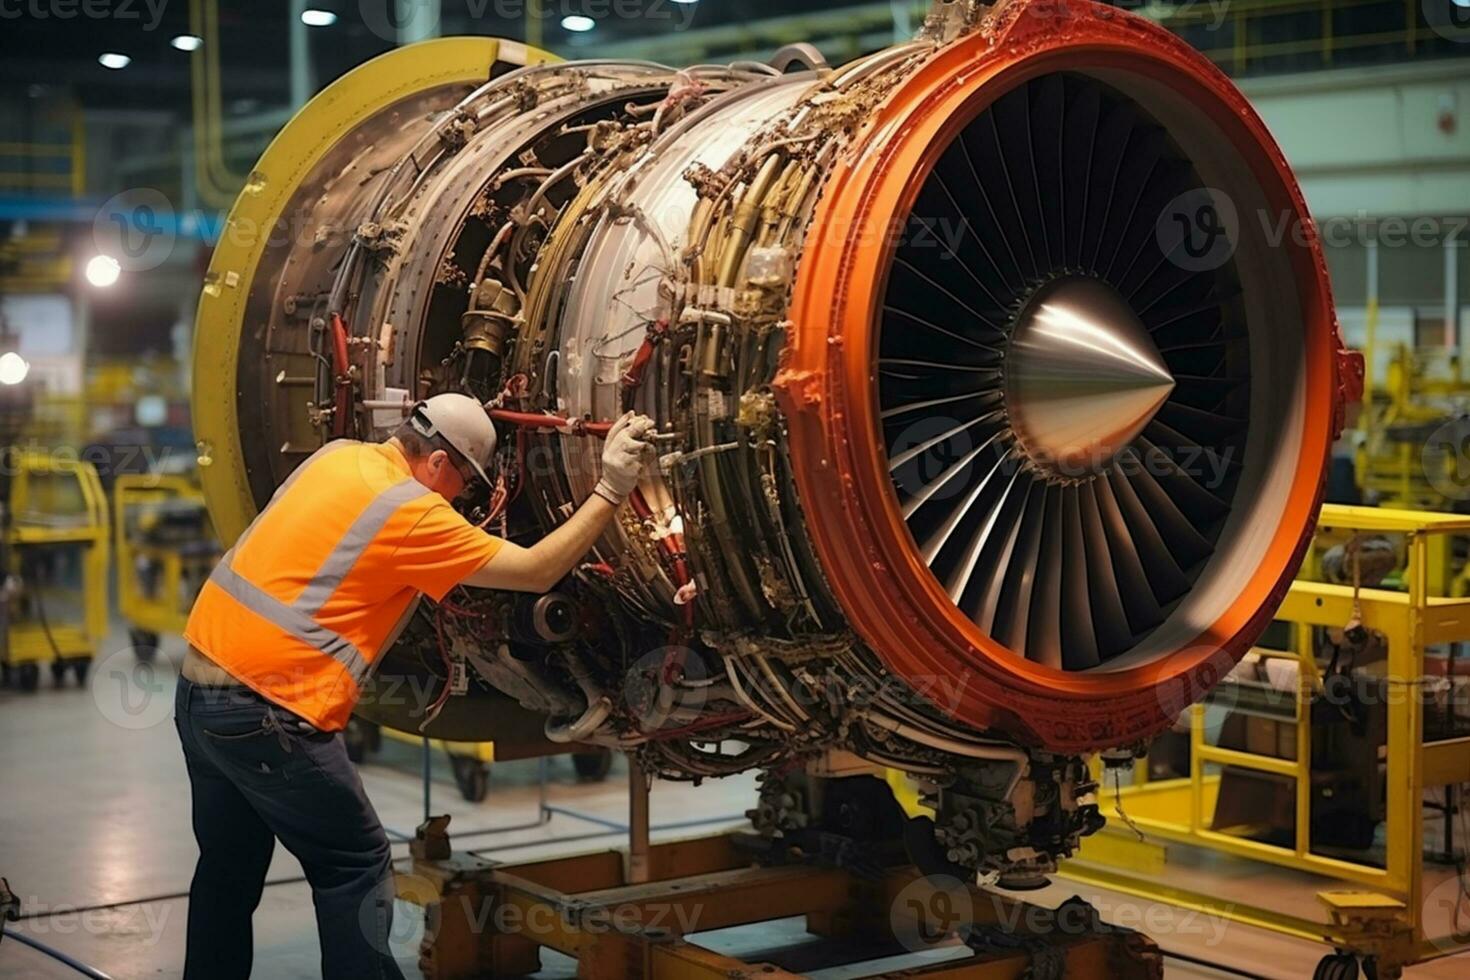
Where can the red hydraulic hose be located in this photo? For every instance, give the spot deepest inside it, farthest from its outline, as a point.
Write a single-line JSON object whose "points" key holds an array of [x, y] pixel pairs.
{"points": [[632, 379], [548, 420], [342, 370], [673, 552]]}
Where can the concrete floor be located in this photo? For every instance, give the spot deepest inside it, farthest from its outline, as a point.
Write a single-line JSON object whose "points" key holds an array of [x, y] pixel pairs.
{"points": [[94, 812]]}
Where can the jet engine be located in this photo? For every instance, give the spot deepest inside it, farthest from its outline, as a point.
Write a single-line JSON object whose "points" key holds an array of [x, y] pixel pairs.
{"points": [[993, 403]]}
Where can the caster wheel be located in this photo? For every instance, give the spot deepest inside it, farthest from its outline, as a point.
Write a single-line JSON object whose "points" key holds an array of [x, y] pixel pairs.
{"points": [[1337, 966], [28, 677], [592, 767], [80, 666], [145, 644], [58, 673], [471, 776], [5, 676]]}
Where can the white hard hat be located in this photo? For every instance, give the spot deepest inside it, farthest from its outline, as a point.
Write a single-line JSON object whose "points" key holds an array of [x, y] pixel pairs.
{"points": [[460, 421]]}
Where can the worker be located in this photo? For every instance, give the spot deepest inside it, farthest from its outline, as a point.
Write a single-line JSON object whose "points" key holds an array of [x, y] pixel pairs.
{"points": [[285, 633]]}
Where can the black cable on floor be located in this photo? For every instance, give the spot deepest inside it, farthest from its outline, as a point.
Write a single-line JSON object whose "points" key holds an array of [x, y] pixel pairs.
{"points": [[1207, 964], [57, 955]]}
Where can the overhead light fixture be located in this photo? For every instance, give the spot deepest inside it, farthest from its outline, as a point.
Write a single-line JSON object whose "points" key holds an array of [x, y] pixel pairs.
{"points": [[314, 17], [578, 23], [13, 368], [1462, 3], [113, 60], [103, 271], [188, 42], [690, 2]]}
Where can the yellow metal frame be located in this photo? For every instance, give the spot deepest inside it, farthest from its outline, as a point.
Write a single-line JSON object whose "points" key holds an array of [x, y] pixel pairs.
{"points": [[29, 643], [1413, 393], [296, 150], [163, 612], [1180, 809]]}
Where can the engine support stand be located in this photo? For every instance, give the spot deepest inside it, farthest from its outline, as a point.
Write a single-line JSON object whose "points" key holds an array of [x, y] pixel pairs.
{"points": [[484, 918]]}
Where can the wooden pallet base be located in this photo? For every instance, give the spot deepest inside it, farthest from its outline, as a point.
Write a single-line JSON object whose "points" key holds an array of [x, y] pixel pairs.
{"points": [[487, 919]]}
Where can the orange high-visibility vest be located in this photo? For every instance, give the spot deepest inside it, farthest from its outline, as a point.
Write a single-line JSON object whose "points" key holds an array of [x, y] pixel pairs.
{"points": [[327, 575]]}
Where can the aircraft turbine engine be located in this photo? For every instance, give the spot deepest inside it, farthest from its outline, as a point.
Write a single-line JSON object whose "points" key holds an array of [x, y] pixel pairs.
{"points": [[993, 414]]}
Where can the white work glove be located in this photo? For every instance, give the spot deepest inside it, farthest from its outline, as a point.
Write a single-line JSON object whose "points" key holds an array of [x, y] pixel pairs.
{"points": [[629, 441]]}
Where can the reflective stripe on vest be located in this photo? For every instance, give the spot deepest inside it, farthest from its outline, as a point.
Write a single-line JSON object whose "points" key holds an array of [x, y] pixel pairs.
{"points": [[296, 618]]}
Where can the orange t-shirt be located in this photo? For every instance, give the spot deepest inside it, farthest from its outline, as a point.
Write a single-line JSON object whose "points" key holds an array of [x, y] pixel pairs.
{"points": [[297, 546]]}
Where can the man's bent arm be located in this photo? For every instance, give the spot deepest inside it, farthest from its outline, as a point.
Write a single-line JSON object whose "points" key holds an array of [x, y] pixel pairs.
{"points": [[539, 567]]}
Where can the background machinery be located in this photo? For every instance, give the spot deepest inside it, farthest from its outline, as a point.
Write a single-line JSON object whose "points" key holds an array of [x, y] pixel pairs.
{"points": [[53, 545], [986, 441]]}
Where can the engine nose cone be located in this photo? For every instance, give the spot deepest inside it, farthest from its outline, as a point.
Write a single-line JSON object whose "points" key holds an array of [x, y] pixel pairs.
{"points": [[1082, 377]]}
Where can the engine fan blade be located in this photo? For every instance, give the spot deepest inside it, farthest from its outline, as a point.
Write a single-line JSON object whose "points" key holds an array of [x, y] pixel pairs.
{"points": [[1048, 107], [1044, 627], [1079, 632], [1079, 137], [1166, 579], [1110, 619]]}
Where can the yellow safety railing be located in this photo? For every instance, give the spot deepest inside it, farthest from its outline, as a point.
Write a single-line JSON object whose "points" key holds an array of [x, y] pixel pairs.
{"points": [[1243, 52], [40, 260], [1413, 619]]}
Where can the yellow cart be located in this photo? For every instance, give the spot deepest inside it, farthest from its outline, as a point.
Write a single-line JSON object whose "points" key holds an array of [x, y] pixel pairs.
{"points": [[57, 528], [166, 548], [1381, 899]]}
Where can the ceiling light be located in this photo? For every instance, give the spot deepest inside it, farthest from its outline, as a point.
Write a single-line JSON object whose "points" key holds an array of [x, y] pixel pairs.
{"points": [[578, 23], [103, 271], [113, 60], [13, 368], [187, 42], [312, 17]]}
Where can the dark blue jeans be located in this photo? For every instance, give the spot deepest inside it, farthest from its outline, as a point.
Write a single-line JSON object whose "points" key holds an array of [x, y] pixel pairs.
{"points": [[259, 773]]}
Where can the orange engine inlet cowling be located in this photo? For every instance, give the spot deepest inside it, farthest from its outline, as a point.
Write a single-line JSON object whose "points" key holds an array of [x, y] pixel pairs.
{"points": [[1115, 277]]}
